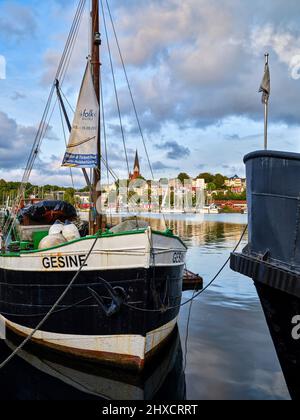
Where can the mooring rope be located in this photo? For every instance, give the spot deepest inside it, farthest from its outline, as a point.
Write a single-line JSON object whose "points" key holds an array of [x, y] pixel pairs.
{"points": [[187, 331], [52, 310], [196, 295]]}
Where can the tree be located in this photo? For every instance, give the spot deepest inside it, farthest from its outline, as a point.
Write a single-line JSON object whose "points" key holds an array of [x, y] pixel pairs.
{"points": [[69, 196], [208, 177], [183, 176], [231, 196], [211, 187], [219, 181]]}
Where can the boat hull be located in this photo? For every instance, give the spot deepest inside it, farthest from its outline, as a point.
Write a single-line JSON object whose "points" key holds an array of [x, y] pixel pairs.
{"points": [[80, 326], [129, 351], [272, 256]]}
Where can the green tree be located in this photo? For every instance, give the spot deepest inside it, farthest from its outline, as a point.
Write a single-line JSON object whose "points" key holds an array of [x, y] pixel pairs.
{"points": [[69, 196], [183, 176], [231, 196], [211, 187], [219, 181], [208, 177]]}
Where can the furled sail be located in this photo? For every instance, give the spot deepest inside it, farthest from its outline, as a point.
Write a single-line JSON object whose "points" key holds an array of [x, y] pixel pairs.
{"points": [[82, 148]]}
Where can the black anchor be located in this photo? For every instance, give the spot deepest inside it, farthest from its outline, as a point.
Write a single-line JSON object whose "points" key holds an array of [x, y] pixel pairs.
{"points": [[117, 294]]}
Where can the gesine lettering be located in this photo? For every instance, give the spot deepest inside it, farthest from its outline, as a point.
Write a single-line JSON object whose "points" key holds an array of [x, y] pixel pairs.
{"points": [[68, 261]]}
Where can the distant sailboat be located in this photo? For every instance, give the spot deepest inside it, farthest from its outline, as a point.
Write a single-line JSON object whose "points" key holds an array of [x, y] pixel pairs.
{"points": [[126, 300]]}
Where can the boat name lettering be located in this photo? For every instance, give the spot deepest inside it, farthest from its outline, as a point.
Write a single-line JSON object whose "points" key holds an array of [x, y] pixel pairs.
{"points": [[69, 261], [178, 257]]}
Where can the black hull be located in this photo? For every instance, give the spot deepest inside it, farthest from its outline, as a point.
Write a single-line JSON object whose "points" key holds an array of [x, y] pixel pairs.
{"points": [[280, 308], [27, 296], [272, 256]]}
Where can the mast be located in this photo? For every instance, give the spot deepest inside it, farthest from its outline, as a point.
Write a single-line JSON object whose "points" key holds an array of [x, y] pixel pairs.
{"points": [[95, 217]]}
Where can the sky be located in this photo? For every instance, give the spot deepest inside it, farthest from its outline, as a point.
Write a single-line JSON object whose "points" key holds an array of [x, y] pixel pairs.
{"points": [[195, 67]]}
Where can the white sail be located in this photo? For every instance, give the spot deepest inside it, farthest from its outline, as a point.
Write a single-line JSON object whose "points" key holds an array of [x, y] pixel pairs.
{"points": [[82, 148]]}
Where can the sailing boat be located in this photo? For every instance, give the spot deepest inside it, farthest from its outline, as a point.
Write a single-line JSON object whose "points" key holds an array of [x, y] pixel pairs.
{"points": [[125, 302]]}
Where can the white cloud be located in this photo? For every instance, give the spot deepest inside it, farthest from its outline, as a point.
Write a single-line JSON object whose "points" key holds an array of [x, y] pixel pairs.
{"points": [[2, 67], [16, 142], [285, 44], [193, 65], [17, 22]]}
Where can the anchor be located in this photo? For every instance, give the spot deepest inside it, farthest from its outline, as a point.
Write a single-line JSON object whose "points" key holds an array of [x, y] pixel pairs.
{"points": [[117, 294]]}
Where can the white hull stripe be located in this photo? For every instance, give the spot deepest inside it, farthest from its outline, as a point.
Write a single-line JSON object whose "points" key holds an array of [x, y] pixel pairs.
{"points": [[122, 345], [113, 253]]}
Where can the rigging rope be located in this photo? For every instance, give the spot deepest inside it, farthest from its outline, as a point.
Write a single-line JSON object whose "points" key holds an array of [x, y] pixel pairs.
{"points": [[72, 109], [45, 121], [115, 88], [197, 294], [105, 143], [131, 95], [129, 88], [65, 138]]}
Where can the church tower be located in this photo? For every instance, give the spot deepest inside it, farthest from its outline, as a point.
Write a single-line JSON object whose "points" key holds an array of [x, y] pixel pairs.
{"points": [[136, 168]]}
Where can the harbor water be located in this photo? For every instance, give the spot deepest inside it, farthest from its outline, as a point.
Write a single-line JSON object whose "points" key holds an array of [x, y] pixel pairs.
{"points": [[223, 349]]}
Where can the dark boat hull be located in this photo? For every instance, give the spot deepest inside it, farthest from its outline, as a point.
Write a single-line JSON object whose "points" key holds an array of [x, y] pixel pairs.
{"points": [[27, 296], [280, 309], [272, 256]]}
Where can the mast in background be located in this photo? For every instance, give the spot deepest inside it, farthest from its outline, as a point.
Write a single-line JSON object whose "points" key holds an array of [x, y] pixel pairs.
{"points": [[95, 217]]}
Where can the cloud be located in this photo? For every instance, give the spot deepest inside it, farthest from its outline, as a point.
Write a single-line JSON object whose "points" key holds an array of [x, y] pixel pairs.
{"points": [[284, 43], [174, 150], [77, 58], [159, 166], [17, 22], [198, 64], [201, 166], [2, 67], [16, 96], [232, 137], [194, 68], [16, 142]]}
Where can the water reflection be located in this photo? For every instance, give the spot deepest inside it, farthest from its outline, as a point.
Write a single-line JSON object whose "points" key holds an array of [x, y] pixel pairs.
{"points": [[41, 375]]}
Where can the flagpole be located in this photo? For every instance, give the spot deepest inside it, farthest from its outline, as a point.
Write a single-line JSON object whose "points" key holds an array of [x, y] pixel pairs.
{"points": [[266, 109]]}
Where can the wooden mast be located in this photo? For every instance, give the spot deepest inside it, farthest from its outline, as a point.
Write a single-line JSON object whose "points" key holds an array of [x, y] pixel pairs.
{"points": [[95, 217]]}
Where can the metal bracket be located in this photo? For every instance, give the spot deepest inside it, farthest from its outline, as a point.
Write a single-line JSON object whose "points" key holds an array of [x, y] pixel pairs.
{"points": [[266, 255]]}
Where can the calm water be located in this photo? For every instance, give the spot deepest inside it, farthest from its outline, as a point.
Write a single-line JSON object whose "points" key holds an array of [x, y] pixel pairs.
{"points": [[230, 353]]}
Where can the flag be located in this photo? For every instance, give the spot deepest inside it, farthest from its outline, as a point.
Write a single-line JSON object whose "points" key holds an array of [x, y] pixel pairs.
{"points": [[265, 86]]}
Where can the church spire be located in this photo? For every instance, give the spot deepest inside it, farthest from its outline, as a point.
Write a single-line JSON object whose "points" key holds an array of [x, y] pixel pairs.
{"points": [[136, 168]]}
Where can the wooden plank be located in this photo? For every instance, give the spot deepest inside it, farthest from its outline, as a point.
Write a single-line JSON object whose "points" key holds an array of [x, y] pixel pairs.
{"points": [[192, 281]]}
